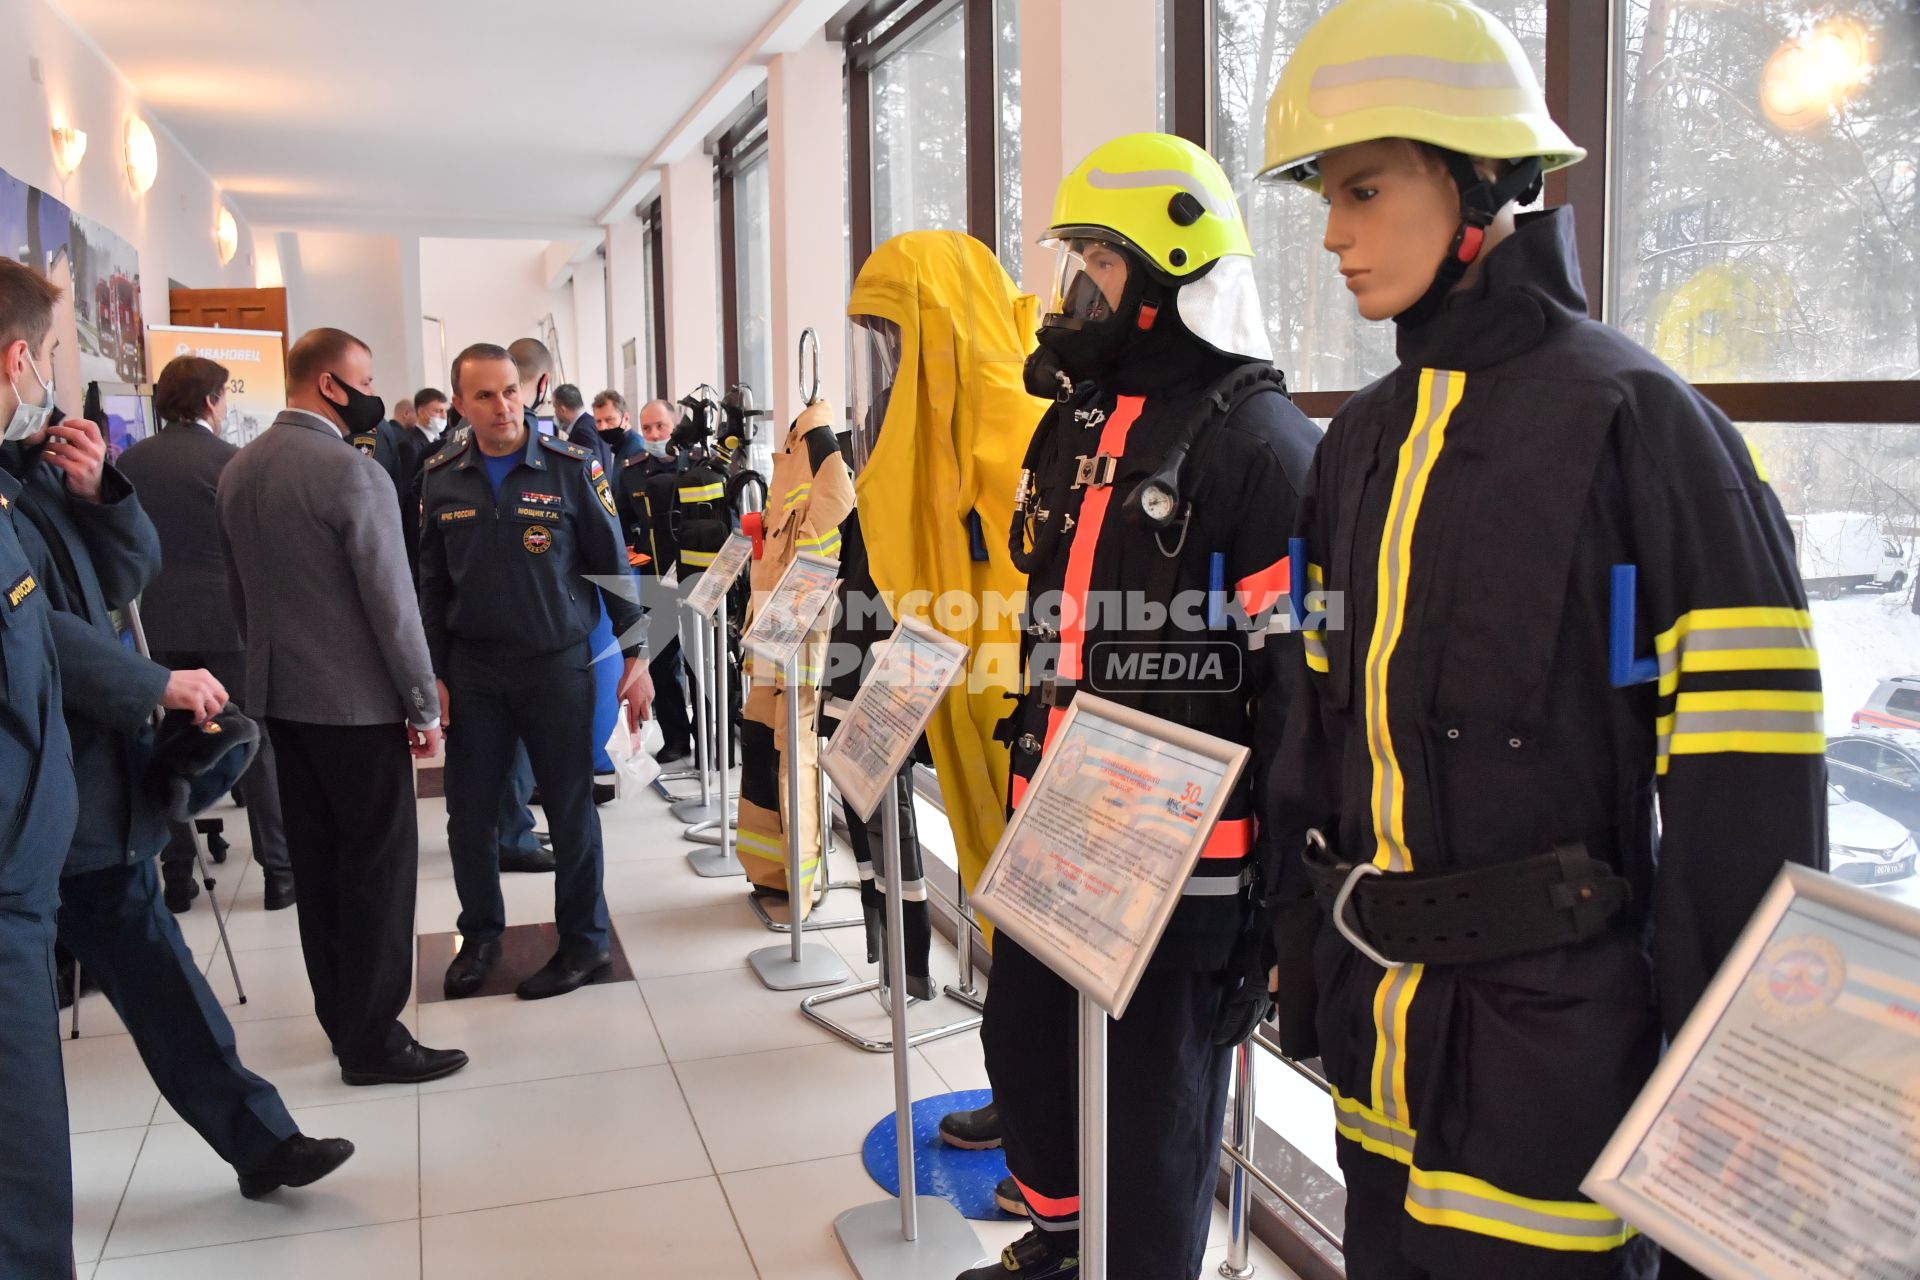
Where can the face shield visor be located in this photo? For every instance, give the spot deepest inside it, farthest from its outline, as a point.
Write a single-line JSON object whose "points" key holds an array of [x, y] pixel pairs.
{"points": [[1089, 280], [876, 365]]}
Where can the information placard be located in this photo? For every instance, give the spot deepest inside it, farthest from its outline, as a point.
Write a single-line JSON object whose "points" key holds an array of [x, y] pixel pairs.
{"points": [[708, 593], [1096, 855], [1780, 1137], [791, 609], [910, 674]]}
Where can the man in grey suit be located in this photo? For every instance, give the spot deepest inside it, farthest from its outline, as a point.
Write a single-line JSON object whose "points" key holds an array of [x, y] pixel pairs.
{"points": [[186, 610], [337, 666]]}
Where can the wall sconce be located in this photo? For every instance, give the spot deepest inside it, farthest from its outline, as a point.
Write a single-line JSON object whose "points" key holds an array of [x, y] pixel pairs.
{"points": [[143, 156], [69, 148], [226, 235]]}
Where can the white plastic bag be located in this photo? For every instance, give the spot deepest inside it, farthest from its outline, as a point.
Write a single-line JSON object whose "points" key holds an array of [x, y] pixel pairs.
{"points": [[632, 755]]}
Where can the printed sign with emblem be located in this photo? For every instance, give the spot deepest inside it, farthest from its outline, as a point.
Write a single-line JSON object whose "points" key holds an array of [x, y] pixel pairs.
{"points": [[537, 539]]}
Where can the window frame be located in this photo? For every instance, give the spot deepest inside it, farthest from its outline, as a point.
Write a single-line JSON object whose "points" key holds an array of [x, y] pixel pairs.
{"points": [[1583, 55], [737, 144], [653, 244], [878, 29]]}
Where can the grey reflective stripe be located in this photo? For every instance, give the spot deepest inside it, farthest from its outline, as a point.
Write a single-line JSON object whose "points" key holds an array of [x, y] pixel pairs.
{"points": [[1105, 180], [1747, 722], [1316, 643], [1054, 1224], [1748, 638], [1413, 66], [1452, 1201], [1382, 1133], [916, 890], [1217, 886], [1399, 990]]}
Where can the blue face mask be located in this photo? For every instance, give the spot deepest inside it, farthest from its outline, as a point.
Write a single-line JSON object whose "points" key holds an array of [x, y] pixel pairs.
{"points": [[658, 448], [29, 418]]}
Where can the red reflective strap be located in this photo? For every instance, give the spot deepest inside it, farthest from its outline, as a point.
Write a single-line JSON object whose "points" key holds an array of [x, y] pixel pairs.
{"points": [[1232, 839], [1260, 591], [1086, 537], [1471, 238], [1148, 314], [1050, 1206]]}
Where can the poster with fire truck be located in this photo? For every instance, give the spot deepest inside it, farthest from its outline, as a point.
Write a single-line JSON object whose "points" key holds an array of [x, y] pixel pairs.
{"points": [[106, 304]]}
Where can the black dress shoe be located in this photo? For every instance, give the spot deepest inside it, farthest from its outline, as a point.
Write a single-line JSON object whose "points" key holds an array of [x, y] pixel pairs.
{"points": [[673, 753], [977, 1130], [565, 973], [604, 792], [415, 1064], [298, 1162], [280, 890], [180, 894], [535, 860], [469, 970]]}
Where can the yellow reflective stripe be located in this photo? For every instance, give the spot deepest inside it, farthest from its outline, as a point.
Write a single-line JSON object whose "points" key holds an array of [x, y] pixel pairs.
{"points": [[1315, 645], [1473, 1204], [1358, 1123], [703, 493], [1748, 638], [697, 559], [798, 496], [769, 849], [1439, 396], [825, 544]]}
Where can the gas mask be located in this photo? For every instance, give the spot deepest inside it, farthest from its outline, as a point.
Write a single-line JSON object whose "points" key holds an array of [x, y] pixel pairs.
{"points": [[1087, 336], [30, 418]]}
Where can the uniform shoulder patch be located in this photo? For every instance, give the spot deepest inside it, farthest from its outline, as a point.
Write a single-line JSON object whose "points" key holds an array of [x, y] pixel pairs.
{"points": [[447, 454], [567, 447], [635, 461]]}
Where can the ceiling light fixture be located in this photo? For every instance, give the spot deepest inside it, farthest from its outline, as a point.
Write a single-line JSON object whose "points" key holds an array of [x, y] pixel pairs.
{"points": [[143, 156], [226, 235], [69, 148]]}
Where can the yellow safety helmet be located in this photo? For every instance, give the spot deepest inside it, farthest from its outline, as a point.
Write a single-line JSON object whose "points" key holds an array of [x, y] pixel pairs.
{"points": [[1169, 202], [1160, 195], [1443, 72]]}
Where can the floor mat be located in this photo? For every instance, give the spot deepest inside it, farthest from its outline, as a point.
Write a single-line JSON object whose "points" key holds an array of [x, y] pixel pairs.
{"points": [[965, 1179]]}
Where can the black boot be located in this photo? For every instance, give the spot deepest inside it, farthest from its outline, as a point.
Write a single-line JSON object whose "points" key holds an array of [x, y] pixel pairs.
{"points": [[972, 1130], [297, 1162], [1029, 1258], [1007, 1194], [180, 891], [280, 893]]}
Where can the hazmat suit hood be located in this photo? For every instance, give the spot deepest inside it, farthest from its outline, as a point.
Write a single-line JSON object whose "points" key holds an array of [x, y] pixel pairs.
{"points": [[936, 490]]}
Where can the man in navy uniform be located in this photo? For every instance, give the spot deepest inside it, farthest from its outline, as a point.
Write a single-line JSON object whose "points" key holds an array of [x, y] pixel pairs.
{"points": [[37, 812], [514, 524]]}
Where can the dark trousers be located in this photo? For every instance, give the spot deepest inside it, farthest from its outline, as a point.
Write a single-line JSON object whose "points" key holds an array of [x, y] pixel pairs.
{"points": [[513, 823], [1166, 1106], [546, 704], [669, 699], [119, 929], [265, 824], [36, 1176], [353, 836]]}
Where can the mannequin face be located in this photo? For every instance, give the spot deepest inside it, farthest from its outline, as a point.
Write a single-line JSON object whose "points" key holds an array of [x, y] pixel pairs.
{"points": [[1108, 268], [1392, 211]]}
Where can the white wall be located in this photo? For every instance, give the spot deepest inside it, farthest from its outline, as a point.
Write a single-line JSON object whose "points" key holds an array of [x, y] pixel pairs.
{"points": [[367, 285], [805, 170], [172, 225], [495, 291], [588, 294], [693, 272], [627, 278]]}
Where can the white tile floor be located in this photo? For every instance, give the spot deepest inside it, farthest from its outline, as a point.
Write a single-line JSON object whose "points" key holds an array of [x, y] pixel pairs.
{"points": [[688, 1125]]}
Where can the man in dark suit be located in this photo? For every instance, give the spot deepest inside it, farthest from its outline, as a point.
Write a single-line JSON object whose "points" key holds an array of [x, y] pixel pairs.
{"points": [[186, 610], [337, 665]]}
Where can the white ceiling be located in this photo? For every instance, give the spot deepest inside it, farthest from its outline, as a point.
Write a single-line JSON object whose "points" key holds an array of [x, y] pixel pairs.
{"points": [[442, 117]]}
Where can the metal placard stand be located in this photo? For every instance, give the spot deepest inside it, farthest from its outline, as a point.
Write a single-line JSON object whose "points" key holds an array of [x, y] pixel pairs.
{"points": [[701, 810], [915, 1238], [780, 633], [798, 964], [722, 861], [1145, 793]]}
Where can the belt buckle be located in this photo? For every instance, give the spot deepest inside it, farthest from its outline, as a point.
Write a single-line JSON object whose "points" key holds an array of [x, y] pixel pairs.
{"points": [[1354, 876], [1095, 471]]}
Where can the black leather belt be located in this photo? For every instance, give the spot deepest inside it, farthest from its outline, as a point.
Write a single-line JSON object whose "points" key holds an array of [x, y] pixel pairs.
{"points": [[1554, 899]]}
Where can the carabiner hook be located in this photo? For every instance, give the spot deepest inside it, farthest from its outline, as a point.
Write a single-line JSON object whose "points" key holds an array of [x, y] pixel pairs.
{"points": [[809, 391]]}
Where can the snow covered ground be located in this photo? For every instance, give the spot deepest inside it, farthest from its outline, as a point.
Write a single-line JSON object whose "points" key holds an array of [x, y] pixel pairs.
{"points": [[1863, 639]]}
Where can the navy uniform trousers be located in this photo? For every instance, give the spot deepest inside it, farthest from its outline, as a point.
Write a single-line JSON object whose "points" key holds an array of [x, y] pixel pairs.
{"points": [[36, 1177], [546, 704], [1166, 1104], [118, 927]]}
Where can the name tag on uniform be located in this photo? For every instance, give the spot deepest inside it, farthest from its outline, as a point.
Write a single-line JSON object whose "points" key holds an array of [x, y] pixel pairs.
{"points": [[459, 514], [23, 586], [537, 513], [540, 499]]}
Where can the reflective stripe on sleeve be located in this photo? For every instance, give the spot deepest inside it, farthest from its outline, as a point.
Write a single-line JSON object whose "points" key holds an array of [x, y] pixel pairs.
{"points": [[1473, 1204]]}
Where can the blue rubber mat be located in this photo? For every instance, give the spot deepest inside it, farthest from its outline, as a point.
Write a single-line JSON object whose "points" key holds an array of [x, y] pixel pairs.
{"points": [[964, 1179]]}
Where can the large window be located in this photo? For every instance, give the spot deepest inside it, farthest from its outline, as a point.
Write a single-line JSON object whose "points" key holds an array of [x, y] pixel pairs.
{"points": [[1319, 340], [753, 247], [933, 100]]}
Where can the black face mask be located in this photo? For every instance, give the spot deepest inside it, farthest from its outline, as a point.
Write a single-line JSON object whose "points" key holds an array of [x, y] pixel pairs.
{"points": [[362, 412]]}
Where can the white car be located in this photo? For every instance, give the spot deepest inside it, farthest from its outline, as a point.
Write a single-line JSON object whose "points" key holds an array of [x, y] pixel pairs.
{"points": [[1865, 846]]}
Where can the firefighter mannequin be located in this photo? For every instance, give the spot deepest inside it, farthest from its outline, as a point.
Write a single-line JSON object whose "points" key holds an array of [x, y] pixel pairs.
{"points": [[941, 420], [1460, 733], [810, 494], [1142, 490]]}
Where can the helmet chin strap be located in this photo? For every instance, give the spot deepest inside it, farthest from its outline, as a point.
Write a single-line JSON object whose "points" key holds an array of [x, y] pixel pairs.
{"points": [[1480, 203]]}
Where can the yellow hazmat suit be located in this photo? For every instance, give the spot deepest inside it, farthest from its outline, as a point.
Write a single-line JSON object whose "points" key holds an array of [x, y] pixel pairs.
{"points": [[949, 448]]}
